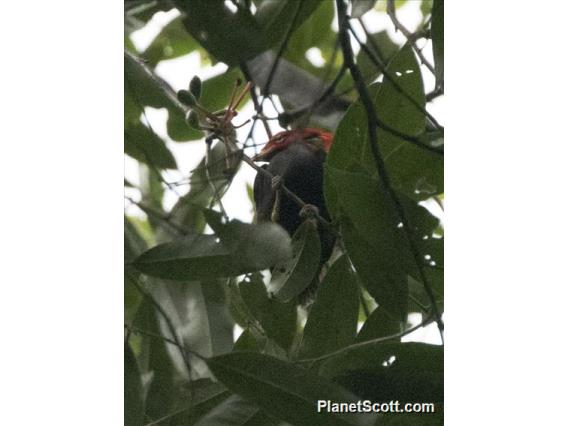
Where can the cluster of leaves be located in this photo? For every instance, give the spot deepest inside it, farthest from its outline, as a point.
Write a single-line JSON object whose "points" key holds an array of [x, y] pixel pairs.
{"points": [[185, 290]]}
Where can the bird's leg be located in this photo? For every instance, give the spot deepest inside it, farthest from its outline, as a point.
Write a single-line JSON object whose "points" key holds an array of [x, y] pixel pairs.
{"points": [[276, 183]]}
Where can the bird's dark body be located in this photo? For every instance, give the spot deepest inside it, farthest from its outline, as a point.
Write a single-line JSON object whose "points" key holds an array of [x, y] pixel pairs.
{"points": [[300, 166]]}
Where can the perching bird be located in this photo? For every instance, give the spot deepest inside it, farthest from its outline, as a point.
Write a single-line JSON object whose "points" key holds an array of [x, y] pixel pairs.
{"points": [[296, 159]]}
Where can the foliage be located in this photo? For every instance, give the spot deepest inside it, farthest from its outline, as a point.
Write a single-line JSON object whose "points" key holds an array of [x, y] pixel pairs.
{"points": [[192, 273]]}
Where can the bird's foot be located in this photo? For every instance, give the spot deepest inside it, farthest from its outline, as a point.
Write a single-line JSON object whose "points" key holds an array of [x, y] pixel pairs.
{"points": [[309, 211]]}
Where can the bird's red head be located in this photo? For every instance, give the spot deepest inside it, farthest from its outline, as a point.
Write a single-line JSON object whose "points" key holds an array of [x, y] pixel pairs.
{"points": [[281, 141]]}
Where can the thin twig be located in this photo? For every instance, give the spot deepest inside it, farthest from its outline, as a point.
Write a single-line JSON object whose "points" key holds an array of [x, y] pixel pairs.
{"points": [[379, 162], [391, 11], [137, 330], [367, 342]]}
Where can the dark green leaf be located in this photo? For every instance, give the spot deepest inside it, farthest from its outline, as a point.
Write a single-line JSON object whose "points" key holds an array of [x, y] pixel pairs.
{"points": [[383, 371], [276, 318], [414, 171], [231, 37], [200, 317], [375, 244], [161, 393], [152, 192], [381, 45], [411, 356], [248, 342], [133, 398], [144, 145], [283, 389], [276, 17], [291, 277], [239, 249], [314, 32], [236, 411], [215, 298], [379, 324], [393, 105], [438, 40], [332, 321], [192, 405], [134, 244]]}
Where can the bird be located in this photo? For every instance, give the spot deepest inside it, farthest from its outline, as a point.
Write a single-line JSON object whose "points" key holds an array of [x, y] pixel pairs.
{"points": [[296, 159]]}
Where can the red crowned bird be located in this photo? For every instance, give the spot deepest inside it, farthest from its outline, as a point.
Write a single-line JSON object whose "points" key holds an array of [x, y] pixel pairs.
{"points": [[295, 158]]}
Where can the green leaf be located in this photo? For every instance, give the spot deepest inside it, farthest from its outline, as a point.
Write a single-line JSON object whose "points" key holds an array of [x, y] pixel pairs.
{"points": [[161, 393], [383, 48], [393, 105], [315, 31], [239, 249], [332, 321], [134, 244], [172, 42], [438, 40], [410, 356], [152, 193], [276, 318], [249, 342], [276, 16], [292, 276], [382, 45], [231, 37], [413, 170], [144, 145], [215, 297], [141, 90], [192, 405], [379, 324], [383, 371], [375, 244], [236, 411], [216, 91], [283, 389], [133, 396]]}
